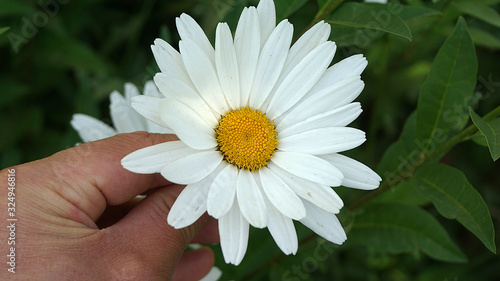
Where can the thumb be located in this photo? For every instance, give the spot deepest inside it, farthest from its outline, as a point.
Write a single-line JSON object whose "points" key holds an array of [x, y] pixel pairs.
{"points": [[148, 241]]}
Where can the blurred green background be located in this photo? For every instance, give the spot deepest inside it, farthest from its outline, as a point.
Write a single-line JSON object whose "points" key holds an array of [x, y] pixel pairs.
{"points": [[63, 57]]}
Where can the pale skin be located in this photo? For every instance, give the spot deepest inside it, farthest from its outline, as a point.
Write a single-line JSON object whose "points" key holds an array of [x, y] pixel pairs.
{"points": [[66, 228]]}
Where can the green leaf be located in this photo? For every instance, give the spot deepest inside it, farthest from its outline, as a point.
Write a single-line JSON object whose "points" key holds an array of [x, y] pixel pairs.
{"points": [[323, 3], [403, 193], [479, 139], [484, 38], [284, 8], [326, 7], [348, 36], [398, 228], [455, 198], [394, 166], [478, 10], [491, 131], [413, 12], [16, 8], [401, 158], [373, 19], [3, 29], [448, 88]]}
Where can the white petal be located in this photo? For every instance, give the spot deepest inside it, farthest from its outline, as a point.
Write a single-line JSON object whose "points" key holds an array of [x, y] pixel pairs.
{"points": [[187, 124], [222, 192], [247, 47], [271, 62], [192, 168], [157, 129], [169, 60], [312, 38], [189, 29], [125, 119], [338, 117], [91, 129], [309, 167], [176, 89], [233, 232], [189, 205], [130, 91], [214, 274], [341, 72], [250, 200], [356, 174], [334, 96], [226, 63], [352, 66], [325, 224], [192, 202], [281, 196], [340, 85], [301, 79], [148, 107], [203, 74], [323, 140], [267, 17], [151, 90], [321, 195], [282, 230], [151, 159]]}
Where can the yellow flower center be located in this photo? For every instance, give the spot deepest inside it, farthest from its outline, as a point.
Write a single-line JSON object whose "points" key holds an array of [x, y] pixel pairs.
{"points": [[246, 138]]}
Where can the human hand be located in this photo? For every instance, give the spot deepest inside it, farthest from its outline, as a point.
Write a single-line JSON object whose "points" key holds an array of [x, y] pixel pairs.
{"points": [[59, 207]]}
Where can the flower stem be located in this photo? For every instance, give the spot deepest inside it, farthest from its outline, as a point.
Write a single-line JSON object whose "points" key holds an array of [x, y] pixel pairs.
{"points": [[324, 11], [464, 134]]}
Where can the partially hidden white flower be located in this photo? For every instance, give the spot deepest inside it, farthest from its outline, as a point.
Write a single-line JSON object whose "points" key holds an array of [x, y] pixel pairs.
{"points": [[125, 118], [261, 125], [376, 1]]}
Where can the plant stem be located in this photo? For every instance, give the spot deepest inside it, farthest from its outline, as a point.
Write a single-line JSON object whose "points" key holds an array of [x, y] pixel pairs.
{"points": [[322, 13], [465, 133]]}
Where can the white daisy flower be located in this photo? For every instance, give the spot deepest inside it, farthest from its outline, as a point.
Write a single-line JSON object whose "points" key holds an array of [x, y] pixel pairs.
{"points": [[125, 118], [260, 124]]}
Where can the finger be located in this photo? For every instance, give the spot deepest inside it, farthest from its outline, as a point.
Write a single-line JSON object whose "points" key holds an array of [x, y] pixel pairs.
{"points": [[117, 184], [146, 228], [113, 214], [194, 265], [210, 234], [91, 176]]}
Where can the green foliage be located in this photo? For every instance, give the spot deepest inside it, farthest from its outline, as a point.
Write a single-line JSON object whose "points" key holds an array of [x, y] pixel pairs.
{"points": [[397, 228], [484, 38], [403, 155], [284, 8], [479, 10], [491, 131], [403, 193], [455, 198], [369, 17], [448, 88], [411, 13], [3, 29]]}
